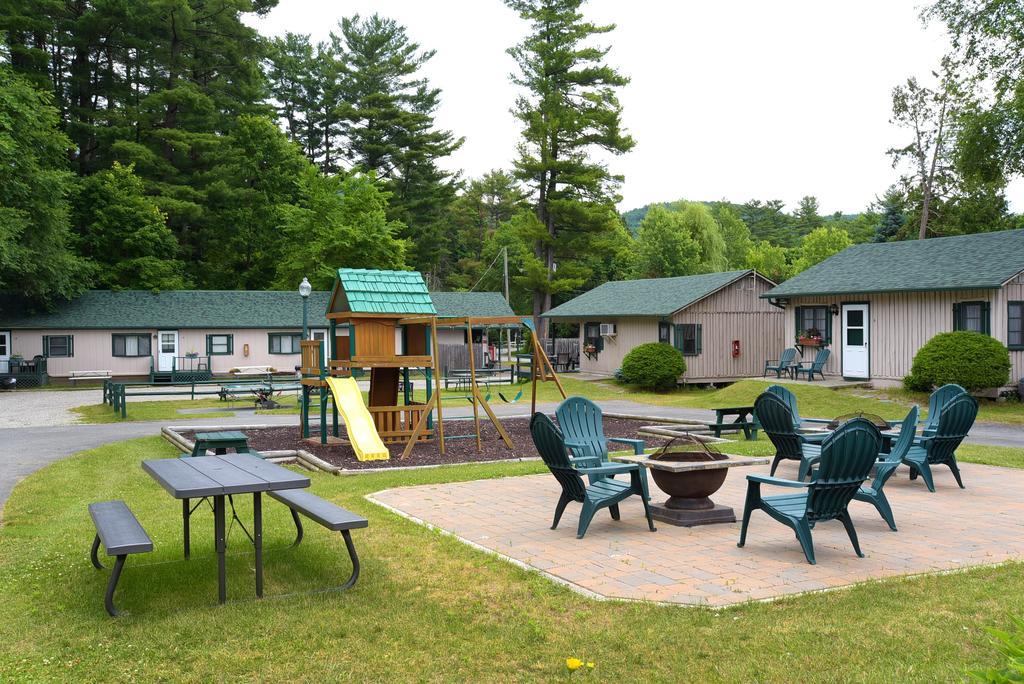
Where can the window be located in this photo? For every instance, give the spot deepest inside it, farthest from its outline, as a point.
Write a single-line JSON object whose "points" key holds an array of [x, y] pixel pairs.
{"points": [[664, 333], [58, 345], [814, 319], [284, 343], [1015, 326], [220, 345], [130, 345], [688, 338], [973, 316], [592, 336]]}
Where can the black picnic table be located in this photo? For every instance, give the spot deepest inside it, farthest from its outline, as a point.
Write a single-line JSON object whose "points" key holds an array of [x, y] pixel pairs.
{"points": [[220, 442], [745, 421], [219, 477]]}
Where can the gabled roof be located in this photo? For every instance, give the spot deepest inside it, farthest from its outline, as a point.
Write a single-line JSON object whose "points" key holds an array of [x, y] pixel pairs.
{"points": [[475, 304], [173, 309], [648, 297], [981, 261], [224, 309], [362, 290]]}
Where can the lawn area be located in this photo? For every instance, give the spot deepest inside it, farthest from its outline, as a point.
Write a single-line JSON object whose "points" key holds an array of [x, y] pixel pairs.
{"points": [[140, 411], [427, 607]]}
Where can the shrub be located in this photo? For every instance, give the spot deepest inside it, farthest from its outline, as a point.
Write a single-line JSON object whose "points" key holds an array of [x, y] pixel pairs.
{"points": [[1011, 646], [653, 366], [969, 359]]}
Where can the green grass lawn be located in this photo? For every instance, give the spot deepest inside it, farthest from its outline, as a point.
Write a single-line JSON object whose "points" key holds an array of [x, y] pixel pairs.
{"points": [[427, 607]]}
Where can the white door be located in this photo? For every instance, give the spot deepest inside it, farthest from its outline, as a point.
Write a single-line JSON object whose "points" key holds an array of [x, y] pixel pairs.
{"points": [[5, 351], [166, 350], [321, 337], [855, 341]]}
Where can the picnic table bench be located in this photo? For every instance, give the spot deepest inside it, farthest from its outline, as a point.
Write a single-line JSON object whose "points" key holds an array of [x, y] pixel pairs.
{"points": [[75, 376], [745, 420], [119, 531]]}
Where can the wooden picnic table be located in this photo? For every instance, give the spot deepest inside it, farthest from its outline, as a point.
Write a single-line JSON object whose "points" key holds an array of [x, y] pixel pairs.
{"points": [[745, 421], [219, 477], [220, 442]]}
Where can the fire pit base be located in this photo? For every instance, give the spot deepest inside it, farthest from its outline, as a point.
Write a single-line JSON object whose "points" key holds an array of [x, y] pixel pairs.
{"points": [[684, 517]]}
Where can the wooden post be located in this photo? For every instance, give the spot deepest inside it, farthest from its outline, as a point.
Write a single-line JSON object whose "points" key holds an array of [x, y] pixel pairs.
{"points": [[437, 382], [420, 425], [472, 380]]}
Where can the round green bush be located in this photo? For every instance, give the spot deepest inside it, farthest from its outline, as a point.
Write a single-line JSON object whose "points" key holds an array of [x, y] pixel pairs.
{"points": [[654, 365], [969, 359]]}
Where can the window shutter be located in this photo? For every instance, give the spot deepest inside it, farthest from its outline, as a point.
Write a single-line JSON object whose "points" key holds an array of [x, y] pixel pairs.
{"points": [[697, 335], [46, 345], [986, 318], [209, 344], [958, 322], [231, 344], [71, 345], [828, 326]]}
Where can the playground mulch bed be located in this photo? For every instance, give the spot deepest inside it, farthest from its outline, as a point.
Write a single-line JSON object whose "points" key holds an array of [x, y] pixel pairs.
{"points": [[492, 448]]}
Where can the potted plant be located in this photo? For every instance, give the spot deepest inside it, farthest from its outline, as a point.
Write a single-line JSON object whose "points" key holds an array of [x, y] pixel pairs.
{"points": [[192, 355], [590, 350], [810, 338]]}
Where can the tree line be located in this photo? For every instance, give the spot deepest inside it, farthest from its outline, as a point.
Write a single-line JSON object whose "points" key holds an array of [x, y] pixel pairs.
{"points": [[166, 144]]}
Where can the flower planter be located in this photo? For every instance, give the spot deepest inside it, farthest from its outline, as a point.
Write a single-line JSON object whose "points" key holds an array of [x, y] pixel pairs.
{"points": [[810, 341]]}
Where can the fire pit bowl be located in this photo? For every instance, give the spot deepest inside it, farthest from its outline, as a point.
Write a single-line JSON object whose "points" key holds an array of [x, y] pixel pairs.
{"points": [[689, 470], [689, 489]]}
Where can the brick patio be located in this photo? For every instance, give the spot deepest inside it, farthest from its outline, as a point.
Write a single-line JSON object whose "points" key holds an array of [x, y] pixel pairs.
{"points": [[950, 529]]}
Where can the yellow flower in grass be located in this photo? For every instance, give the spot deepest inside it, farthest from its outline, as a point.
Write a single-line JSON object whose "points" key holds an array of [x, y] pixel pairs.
{"points": [[590, 666], [573, 664]]}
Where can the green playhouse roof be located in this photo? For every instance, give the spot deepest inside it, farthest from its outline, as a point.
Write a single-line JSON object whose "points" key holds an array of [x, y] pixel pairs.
{"points": [[981, 261], [384, 292], [648, 297]]}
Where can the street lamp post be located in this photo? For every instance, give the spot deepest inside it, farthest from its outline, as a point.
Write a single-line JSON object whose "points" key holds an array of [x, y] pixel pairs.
{"points": [[304, 290]]}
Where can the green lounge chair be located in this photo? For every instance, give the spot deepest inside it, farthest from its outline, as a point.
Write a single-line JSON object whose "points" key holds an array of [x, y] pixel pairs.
{"points": [[582, 424], [603, 493], [816, 366], [886, 466], [847, 457], [955, 421], [936, 401], [777, 422], [782, 365], [789, 399]]}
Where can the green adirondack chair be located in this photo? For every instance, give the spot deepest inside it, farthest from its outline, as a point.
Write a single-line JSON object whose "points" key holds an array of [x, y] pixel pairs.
{"points": [[789, 399], [782, 365], [582, 424], [603, 493], [776, 421], [847, 457], [955, 420], [816, 366], [936, 401], [886, 466]]}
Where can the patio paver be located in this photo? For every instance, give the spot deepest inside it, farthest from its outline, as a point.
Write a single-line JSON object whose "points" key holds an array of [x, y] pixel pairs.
{"points": [[949, 529]]}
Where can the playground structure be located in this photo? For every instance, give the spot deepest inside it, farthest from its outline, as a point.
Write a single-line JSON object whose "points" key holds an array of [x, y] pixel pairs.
{"points": [[385, 321]]}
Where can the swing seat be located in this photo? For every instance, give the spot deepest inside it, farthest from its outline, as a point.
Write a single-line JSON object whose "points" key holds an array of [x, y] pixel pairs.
{"points": [[512, 400]]}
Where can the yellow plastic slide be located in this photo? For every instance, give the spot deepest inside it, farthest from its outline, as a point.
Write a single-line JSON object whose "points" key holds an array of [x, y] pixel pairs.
{"points": [[358, 422]]}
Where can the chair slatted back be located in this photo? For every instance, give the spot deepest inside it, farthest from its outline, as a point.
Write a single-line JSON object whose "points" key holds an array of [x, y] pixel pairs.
{"points": [[847, 456], [789, 399], [955, 421], [788, 356], [551, 447], [777, 422], [938, 399], [820, 359], [581, 421], [908, 430]]}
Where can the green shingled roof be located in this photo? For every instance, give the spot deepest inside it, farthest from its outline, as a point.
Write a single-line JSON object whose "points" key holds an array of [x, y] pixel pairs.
{"points": [[649, 297], [966, 262], [184, 309], [388, 292], [175, 309], [476, 304]]}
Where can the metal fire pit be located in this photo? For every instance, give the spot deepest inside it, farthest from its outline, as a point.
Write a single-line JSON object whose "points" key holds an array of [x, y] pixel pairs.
{"points": [[690, 471], [878, 421]]}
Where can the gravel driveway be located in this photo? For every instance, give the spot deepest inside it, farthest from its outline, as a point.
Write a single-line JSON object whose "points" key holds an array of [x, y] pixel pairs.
{"points": [[36, 408]]}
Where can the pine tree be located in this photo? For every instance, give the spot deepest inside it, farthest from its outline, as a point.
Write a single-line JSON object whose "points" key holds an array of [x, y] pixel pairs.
{"points": [[569, 111], [893, 218]]}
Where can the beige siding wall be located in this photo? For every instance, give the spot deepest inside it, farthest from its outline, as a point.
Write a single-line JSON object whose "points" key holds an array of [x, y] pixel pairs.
{"points": [[900, 323], [93, 350], [736, 312]]}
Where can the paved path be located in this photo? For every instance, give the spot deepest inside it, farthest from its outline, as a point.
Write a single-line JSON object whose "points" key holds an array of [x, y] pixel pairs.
{"points": [[511, 516], [37, 428]]}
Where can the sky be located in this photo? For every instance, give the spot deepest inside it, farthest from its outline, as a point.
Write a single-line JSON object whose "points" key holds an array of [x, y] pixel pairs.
{"points": [[736, 99]]}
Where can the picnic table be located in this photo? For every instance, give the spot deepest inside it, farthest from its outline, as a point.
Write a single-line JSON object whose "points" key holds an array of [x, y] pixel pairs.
{"points": [[218, 477], [220, 442], [745, 421], [462, 377]]}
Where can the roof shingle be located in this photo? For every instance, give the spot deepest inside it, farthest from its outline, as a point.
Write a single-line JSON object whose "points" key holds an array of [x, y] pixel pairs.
{"points": [[979, 261]]}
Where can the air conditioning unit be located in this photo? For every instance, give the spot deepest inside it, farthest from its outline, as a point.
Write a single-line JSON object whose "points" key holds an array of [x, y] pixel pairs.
{"points": [[607, 330]]}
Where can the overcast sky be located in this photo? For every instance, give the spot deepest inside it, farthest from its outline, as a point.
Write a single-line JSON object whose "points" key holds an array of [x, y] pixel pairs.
{"points": [[731, 99]]}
